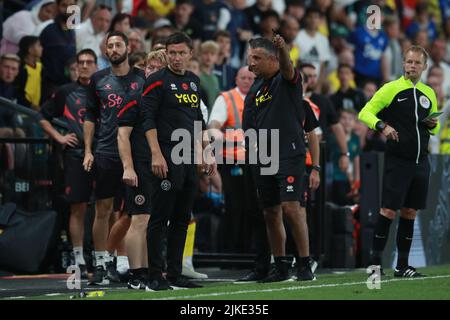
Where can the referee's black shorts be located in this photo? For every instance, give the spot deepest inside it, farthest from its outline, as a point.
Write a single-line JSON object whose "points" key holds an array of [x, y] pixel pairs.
{"points": [[289, 184], [138, 198], [78, 182], [405, 184]]}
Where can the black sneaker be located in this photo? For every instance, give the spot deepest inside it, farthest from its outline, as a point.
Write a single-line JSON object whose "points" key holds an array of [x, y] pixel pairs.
{"points": [[408, 272], [111, 272], [136, 284], [182, 282], [279, 273], [253, 276], [305, 274], [83, 271], [157, 284], [99, 276]]}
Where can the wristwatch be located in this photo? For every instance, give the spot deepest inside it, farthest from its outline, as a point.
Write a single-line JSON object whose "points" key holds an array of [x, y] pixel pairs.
{"points": [[317, 168], [346, 154], [380, 125]]}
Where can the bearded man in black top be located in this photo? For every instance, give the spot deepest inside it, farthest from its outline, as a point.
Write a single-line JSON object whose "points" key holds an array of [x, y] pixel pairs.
{"points": [[111, 92]]}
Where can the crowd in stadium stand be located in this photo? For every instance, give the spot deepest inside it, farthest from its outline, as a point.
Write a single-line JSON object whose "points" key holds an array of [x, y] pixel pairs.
{"points": [[344, 61]]}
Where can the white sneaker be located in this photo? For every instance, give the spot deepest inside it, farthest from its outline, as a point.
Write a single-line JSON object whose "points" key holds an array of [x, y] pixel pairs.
{"points": [[191, 273], [122, 265], [188, 270]]}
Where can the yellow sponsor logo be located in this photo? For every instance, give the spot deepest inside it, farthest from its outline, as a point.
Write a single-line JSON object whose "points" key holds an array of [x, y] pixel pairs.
{"points": [[263, 98], [186, 98]]}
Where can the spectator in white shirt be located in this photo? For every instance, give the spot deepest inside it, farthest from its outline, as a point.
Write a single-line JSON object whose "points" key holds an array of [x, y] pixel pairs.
{"points": [[314, 46], [92, 32]]}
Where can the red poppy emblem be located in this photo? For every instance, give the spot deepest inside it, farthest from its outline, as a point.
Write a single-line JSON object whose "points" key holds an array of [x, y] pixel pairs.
{"points": [[290, 179], [185, 86]]}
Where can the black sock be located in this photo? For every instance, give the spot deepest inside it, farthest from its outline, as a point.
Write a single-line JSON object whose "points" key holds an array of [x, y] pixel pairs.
{"points": [[134, 274], [404, 239], [303, 261], [280, 259], [380, 237]]}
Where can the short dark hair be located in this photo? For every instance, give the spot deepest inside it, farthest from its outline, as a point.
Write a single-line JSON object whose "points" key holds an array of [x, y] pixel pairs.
{"points": [[117, 34], [263, 43], [270, 14], [179, 37], [25, 43], [313, 9], [295, 3], [190, 2], [343, 66], [135, 57], [118, 18], [72, 60], [306, 65], [221, 33], [89, 52]]}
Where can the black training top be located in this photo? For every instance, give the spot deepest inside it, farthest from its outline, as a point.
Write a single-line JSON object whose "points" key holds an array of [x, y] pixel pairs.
{"points": [[68, 102], [277, 103], [131, 117], [109, 96], [171, 101]]}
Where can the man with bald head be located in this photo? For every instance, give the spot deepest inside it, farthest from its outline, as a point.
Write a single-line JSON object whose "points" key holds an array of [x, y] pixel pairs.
{"points": [[240, 196]]}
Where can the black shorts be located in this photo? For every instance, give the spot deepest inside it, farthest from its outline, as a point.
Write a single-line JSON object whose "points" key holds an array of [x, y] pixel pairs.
{"points": [[290, 184], [138, 198], [108, 178], [78, 182], [405, 184]]}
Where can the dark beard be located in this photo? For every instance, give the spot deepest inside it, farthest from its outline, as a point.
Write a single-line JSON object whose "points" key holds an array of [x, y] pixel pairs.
{"points": [[119, 60]]}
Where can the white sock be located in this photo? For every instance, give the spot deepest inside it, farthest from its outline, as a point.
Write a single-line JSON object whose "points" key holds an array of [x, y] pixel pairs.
{"points": [[78, 254], [100, 258], [109, 257], [122, 264]]}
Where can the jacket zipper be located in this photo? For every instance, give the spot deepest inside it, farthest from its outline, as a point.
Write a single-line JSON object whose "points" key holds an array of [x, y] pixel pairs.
{"points": [[417, 126]]}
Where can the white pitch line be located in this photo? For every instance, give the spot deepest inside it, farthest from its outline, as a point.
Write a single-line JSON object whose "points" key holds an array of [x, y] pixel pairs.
{"points": [[215, 294], [53, 294]]}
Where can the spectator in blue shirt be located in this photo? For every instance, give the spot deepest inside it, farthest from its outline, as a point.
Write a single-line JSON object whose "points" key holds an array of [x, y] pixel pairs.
{"points": [[369, 47]]}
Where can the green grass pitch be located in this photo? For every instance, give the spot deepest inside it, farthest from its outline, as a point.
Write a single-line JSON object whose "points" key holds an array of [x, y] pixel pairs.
{"points": [[342, 286]]}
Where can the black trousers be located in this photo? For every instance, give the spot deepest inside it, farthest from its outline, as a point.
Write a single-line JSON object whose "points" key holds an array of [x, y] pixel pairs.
{"points": [[171, 200], [244, 225]]}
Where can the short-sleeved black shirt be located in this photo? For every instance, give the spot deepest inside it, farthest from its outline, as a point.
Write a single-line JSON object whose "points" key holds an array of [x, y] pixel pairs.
{"points": [[140, 149], [171, 101], [68, 102], [109, 96], [352, 99], [277, 103]]}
